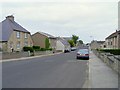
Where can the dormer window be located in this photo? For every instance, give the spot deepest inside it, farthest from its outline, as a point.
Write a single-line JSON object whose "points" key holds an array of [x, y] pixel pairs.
{"points": [[18, 34]]}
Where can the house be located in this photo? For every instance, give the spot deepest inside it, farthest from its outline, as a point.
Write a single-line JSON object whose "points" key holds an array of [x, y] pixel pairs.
{"points": [[14, 37], [62, 45], [67, 38], [113, 40], [97, 44], [40, 37]]}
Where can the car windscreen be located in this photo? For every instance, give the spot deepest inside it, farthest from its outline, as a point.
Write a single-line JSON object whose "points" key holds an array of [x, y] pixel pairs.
{"points": [[83, 51]]}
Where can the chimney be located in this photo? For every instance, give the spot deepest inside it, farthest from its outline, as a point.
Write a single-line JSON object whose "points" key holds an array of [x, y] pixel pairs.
{"points": [[11, 17]]}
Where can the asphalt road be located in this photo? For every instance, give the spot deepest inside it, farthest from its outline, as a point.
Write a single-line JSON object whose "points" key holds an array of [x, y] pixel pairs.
{"points": [[57, 71]]}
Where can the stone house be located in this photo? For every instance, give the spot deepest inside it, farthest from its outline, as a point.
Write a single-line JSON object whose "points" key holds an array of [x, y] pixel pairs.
{"points": [[14, 36], [40, 37], [97, 44], [113, 40]]}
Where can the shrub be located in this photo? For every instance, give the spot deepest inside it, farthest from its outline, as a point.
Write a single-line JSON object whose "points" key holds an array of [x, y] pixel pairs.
{"points": [[28, 49], [112, 51], [0, 49], [47, 43], [43, 49], [50, 49], [36, 47]]}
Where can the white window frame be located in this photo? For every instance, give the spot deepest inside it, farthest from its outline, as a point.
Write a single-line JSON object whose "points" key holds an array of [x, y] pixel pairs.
{"points": [[18, 45], [26, 35], [18, 34], [25, 43]]}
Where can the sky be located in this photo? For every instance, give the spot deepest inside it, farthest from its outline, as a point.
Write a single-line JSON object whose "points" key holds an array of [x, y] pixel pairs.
{"points": [[88, 19]]}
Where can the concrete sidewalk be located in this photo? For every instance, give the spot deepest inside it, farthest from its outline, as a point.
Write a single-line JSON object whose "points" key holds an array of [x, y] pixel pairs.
{"points": [[101, 75]]}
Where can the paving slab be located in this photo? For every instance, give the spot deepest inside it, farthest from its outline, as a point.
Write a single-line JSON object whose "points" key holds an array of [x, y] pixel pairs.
{"points": [[101, 75]]}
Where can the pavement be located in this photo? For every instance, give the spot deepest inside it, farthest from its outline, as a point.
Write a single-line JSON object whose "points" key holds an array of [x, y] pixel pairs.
{"points": [[101, 75]]}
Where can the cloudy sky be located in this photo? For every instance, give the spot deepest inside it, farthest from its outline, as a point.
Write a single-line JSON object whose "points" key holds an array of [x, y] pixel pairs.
{"points": [[88, 19]]}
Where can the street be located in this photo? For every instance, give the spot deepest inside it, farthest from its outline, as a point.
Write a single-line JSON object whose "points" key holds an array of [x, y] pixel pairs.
{"points": [[57, 71]]}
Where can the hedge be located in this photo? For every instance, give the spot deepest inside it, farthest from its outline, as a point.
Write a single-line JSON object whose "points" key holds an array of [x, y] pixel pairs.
{"points": [[28, 49], [43, 49], [112, 51], [36, 47]]}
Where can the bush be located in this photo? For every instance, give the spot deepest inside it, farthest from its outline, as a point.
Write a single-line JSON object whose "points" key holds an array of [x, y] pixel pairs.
{"points": [[28, 49], [0, 49], [36, 47], [112, 51], [50, 49], [43, 49], [47, 43]]}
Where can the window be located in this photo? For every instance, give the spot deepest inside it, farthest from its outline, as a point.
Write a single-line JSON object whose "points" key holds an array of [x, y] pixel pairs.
{"points": [[26, 35], [18, 45], [31, 44], [26, 43], [11, 45], [111, 43], [18, 34]]}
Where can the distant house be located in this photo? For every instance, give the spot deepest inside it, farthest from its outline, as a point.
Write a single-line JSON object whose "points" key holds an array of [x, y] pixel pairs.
{"points": [[40, 37], [97, 44], [14, 37], [113, 40], [67, 38], [62, 45]]}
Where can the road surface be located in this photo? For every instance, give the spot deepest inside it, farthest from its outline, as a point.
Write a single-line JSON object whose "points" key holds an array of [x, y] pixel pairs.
{"points": [[57, 71]]}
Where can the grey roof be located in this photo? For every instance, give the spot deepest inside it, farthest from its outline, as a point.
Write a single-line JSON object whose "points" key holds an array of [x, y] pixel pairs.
{"points": [[8, 26], [113, 34], [67, 38], [46, 34], [99, 42], [64, 41]]}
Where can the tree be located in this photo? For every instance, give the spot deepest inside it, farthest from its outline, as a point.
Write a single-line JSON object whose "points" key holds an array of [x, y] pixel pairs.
{"points": [[75, 38], [47, 43], [71, 42], [80, 41]]}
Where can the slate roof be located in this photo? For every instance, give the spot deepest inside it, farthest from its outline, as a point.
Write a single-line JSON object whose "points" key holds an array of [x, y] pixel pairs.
{"points": [[64, 41], [8, 26], [46, 34], [99, 42], [113, 34], [67, 38]]}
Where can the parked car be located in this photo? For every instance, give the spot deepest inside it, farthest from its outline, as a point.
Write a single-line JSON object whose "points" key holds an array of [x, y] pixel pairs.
{"points": [[67, 50], [83, 54], [73, 48]]}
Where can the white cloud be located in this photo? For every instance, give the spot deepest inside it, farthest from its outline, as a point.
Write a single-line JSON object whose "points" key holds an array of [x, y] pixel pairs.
{"points": [[66, 18]]}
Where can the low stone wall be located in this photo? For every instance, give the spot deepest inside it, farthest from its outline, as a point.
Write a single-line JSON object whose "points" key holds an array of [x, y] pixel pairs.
{"points": [[36, 53], [14, 55], [23, 54], [111, 60]]}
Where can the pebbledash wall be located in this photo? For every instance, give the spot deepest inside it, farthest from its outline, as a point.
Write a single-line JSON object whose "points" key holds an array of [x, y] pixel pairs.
{"points": [[111, 60]]}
